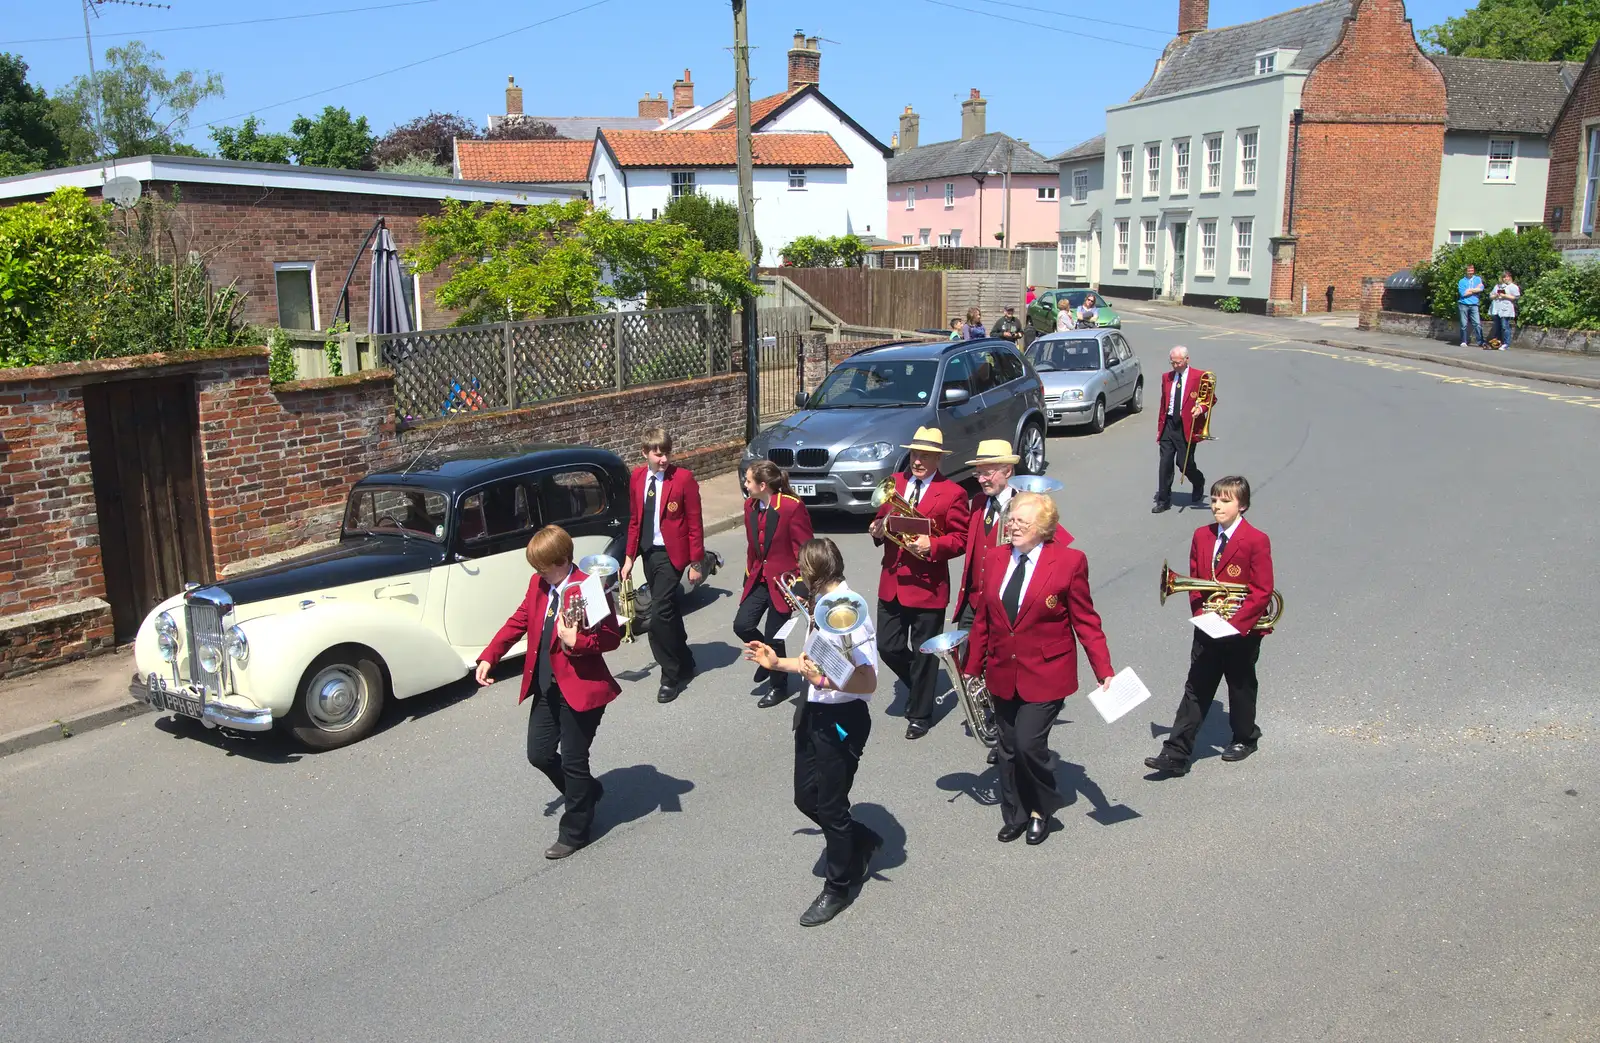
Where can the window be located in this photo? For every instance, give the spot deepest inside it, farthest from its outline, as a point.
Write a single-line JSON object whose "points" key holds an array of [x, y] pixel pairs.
{"points": [[1593, 181], [1124, 173], [1266, 63], [905, 261], [957, 375], [944, 239], [907, 240], [566, 497], [924, 235], [985, 370], [496, 518], [955, 237], [1180, 167], [1046, 194], [1502, 159], [1243, 238], [1152, 170], [1069, 255], [297, 295], [1213, 163], [682, 183], [797, 177], [1523, 226], [1147, 252], [911, 198], [1457, 237], [1208, 248], [1080, 186], [949, 195], [600, 189], [1248, 141], [1121, 256], [1010, 364]]}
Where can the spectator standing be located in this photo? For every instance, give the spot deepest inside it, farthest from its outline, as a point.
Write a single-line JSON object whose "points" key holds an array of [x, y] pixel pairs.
{"points": [[1089, 311], [1008, 328], [1031, 296], [1064, 319], [958, 331], [1503, 307], [975, 330], [1467, 290]]}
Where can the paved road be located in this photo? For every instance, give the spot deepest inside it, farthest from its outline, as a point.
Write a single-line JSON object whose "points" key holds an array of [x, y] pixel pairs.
{"points": [[1410, 857]]}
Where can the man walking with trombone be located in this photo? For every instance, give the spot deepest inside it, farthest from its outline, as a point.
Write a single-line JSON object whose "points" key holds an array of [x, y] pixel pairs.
{"points": [[1182, 407]]}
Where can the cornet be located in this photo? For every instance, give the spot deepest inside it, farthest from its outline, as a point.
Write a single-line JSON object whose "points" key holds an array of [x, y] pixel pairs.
{"points": [[601, 566], [795, 593], [900, 507], [1222, 598]]}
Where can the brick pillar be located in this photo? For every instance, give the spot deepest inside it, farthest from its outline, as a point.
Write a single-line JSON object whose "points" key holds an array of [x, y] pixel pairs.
{"points": [[1371, 302], [1281, 298], [814, 356]]}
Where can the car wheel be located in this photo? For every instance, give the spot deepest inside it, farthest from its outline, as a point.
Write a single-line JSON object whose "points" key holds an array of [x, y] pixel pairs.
{"points": [[1097, 423], [1030, 447], [1136, 403], [340, 699]]}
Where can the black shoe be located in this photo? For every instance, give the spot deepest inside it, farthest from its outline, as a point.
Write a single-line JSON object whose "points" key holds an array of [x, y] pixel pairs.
{"points": [[1199, 498], [669, 692], [561, 849], [1166, 764], [994, 755], [762, 674], [773, 697], [1238, 751], [1009, 833], [1038, 829], [826, 906], [917, 729], [1158, 508], [865, 850]]}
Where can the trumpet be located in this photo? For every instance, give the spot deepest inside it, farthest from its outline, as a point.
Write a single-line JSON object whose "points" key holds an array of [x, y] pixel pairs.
{"points": [[794, 592], [1222, 598], [900, 507], [970, 690]]}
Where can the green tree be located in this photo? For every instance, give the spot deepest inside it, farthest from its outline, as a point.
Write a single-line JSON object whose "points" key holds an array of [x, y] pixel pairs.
{"points": [[1528, 30], [420, 164], [333, 139], [141, 109], [42, 246], [523, 129], [249, 143], [840, 251], [28, 136], [1526, 255], [432, 137], [715, 222]]}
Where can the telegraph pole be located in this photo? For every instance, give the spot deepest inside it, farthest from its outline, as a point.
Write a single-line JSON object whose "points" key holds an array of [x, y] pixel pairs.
{"points": [[747, 219]]}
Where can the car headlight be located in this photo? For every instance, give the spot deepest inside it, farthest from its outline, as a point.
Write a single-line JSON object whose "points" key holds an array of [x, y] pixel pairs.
{"points": [[167, 625], [238, 646], [210, 657], [869, 453], [167, 645], [1076, 394]]}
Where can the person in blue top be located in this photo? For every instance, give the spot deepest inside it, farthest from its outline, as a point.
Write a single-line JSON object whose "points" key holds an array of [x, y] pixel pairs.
{"points": [[1467, 290]]}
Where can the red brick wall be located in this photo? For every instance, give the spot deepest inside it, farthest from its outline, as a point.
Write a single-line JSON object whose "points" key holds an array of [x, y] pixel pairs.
{"points": [[1566, 145], [1371, 303]]}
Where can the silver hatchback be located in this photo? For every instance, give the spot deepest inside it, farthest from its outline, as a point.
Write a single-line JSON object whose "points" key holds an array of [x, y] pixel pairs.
{"points": [[1086, 374]]}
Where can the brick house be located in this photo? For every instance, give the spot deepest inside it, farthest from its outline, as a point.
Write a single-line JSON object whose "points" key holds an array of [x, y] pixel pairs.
{"points": [[1573, 186]]}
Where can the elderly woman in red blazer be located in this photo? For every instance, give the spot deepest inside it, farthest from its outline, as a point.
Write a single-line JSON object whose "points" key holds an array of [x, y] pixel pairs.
{"points": [[566, 675], [1035, 599], [776, 526]]}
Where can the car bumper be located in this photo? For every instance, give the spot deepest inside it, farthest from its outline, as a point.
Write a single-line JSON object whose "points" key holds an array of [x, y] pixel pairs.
{"points": [[845, 490], [188, 701], [1068, 414]]}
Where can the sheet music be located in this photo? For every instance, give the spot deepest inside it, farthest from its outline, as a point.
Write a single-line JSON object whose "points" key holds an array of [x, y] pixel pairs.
{"points": [[793, 634], [596, 606], [1123, 693], [1213, 625], [829, 657]]}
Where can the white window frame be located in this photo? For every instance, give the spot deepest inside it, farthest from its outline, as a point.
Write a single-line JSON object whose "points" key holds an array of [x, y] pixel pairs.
{"points": [[1080, 185], [1242, 255], [1247, 143], [1459, 236], [1591, 179], [924, 236], [1213, 166], [683, 183], [1508, 164], [1266, 63], [1119, 259], [1149, 236], [1181, 154], [908, 240], [911, 197], [1207, 264], [949, 195], [1046, 193], [310, 268], [1067, 254], [600, 195], [1152, 169], [797, 179], [944, 241], [1125, 172], [903, 262], [955, 237]]}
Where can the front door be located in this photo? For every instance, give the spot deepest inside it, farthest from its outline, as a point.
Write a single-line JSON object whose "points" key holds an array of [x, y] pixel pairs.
{"points": [[1180, 243]]}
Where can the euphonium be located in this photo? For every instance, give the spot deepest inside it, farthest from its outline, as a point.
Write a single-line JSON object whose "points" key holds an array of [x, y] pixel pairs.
{"points": [[971, 690], [899, 505], [1222, 598]]}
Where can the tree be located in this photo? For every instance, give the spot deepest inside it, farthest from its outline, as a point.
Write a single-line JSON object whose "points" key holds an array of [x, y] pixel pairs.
{"points": [[247, 142], [1529, 30], [42, 247], [333, 139], [715, 222], [28, 136], [420, 165], [141, 109], [522, 130], [840, 251], [431, 137]]}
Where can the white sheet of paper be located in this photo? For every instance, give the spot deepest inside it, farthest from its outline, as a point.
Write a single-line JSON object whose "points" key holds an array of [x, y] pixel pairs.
{"points": [[1123, 693], [1213, 625], [596, 606], [829, 657]]}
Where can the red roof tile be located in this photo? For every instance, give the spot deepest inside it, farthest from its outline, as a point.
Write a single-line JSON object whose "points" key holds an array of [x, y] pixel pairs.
{"points": [[717, 148], [760, 109], [532, 162]]}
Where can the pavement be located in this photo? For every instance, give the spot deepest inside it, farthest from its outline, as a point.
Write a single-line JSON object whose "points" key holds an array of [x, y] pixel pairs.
{"points": [[1408, 857]]}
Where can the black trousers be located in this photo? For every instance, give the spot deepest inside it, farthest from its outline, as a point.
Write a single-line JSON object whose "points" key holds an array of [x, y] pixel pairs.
{"points": [[747, 627], [901, 632], [964, 618], [828, 741], [558, 745], [1027, 782], [1210, 660], [1173, 448], [669, 642]]}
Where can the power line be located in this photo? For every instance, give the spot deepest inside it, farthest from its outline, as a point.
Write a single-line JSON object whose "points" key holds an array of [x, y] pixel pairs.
{"points": [[1077, 17], [1040, 25], [223, 25]]}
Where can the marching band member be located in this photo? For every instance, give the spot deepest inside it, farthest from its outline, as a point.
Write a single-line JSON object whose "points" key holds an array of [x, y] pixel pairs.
{"points": [[1035, 600], [1233, 551], [666, 532], [776, 525], [995, 465], [566, 676], [914, 586], [1180, 411], [831, 730]]}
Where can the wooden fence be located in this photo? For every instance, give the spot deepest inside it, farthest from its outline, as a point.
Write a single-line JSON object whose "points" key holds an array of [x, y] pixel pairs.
{"points": [[878, 297]]}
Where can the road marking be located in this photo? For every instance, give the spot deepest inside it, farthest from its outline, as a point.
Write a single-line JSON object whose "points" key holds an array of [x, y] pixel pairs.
{"points": [[1225, 333], [1591, 401]]}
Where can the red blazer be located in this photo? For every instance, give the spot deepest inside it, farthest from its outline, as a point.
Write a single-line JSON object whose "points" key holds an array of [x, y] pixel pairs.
{"points": [[978, 544], [925, 583], [788, 526], [581, 671], [682, 528], [1246, 559], [1036, 660], [1191, 395]]}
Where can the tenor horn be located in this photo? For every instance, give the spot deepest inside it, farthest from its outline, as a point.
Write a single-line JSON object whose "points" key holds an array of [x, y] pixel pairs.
{"points": [[972, 691], [899, 506], [1222, 598]]}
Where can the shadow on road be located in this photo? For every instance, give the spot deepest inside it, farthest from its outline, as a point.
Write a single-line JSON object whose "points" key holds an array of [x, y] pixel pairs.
{"points": [[1072, 780], [634, 792], [877, 818], [984, 788]]}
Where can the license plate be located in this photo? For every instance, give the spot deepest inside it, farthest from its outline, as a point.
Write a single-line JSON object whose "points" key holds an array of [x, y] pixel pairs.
{"points": [[804, 488], [176, 702]]}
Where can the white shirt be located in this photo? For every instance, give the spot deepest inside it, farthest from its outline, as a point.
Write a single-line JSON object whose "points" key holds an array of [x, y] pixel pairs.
{"points": [[1033, 566], [1177, 390], [1064, 320], [1504, 299], [864, 652], [999, 499], [661, 492], [1228, 532]]}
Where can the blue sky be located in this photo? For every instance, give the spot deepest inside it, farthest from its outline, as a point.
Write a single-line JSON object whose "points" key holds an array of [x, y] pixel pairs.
{"points": [[1048, 75]]}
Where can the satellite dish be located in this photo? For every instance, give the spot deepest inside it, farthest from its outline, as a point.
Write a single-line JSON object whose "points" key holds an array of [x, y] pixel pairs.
{"points": [[122, 192]]}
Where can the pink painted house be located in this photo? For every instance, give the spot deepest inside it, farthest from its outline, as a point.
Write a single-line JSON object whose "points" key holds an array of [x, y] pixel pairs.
{"points": [[983, 190]]}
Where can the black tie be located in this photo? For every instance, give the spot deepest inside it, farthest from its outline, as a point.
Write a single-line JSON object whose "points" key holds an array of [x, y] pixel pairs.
{"points": [[1216, 557], [647, 524], [916, 496], [542, 674], [1011, 597], [1177, 394], [989, 516]]}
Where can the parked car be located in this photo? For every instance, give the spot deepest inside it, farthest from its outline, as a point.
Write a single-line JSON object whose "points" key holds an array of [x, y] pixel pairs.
{"points": [[848, 434], [1042, 312], [429, 564], [1086, 373]]}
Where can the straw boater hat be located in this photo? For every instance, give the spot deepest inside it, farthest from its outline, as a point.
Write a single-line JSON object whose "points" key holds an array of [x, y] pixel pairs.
{"points": [[995, 451], [927, 439]]}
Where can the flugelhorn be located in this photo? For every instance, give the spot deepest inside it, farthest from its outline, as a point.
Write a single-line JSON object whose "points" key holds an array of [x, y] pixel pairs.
{"points": [[885, 493], [1222, 598], [970, 690]]}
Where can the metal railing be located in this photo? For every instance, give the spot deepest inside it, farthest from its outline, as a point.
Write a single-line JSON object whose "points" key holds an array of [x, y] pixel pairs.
{"points": [[781, 353]]}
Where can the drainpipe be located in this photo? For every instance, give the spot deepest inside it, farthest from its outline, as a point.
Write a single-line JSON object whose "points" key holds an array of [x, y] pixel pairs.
{"points": [[979, 179], [1294, 168]]}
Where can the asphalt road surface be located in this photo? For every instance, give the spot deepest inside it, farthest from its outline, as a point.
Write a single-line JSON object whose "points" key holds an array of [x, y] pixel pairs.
{"points": [[1411, 855]]}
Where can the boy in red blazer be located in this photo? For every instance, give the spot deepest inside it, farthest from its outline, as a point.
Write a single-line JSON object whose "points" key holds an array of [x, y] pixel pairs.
{"points": [[1233, 551], [914, 586], [1180, 411], [776, 526], [667, 534], [566, 675], [1034, 602]]}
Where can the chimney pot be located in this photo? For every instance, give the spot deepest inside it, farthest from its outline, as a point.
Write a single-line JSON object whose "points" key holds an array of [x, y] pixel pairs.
{"points": [[972, 116], [513, 97], [910, 124], [805, 62], [683, 94], [1193, 16], [652, 108]]}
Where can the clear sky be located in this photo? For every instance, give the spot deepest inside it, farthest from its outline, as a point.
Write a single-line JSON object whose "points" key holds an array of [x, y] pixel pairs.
{"points": [[1047, 71]]}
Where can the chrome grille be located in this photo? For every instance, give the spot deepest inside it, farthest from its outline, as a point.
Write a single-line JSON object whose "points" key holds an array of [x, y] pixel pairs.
{"points": [[782, 457], [812, 457], [203, 622]]}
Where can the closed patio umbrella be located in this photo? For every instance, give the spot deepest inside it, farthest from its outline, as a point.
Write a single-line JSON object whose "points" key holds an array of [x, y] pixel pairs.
{"points": [[387, 311]]}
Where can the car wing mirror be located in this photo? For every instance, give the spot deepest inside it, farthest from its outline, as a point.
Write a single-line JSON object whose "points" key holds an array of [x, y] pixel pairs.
{"points": [[800, 399], [956, 396]]}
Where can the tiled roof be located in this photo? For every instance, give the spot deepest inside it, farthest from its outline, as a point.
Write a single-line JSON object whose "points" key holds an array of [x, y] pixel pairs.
{"points": [[1488, 95], [960, 158], [1095, 146], [718, 148], [531, 162], [582, 128], [1220, 55], [760, 109]]}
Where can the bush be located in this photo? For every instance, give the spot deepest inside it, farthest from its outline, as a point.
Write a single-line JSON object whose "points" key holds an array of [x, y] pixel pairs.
{"points": [[1567, 297], [840, 251], [43, 248], [332, 350], [280, 357], [1526, 255], [1230, 304]]}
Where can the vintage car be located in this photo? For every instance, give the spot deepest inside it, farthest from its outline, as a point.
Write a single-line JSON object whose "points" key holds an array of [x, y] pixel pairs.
{"points": [[430, 562]]}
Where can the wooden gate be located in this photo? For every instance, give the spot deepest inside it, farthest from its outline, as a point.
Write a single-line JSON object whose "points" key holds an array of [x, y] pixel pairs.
{"points": [[781, 331], [144, 457]]}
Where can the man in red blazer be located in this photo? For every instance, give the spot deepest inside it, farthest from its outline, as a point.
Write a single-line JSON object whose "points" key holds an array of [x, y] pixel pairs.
{"points": [[1233, 551], [566, 675], [776, 526], [914, 586], [1036, 600], [666, 533], [1180, 411]]}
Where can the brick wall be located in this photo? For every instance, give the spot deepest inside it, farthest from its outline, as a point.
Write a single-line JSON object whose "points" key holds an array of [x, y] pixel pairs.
{"points": [[1566, 152], [1371, 303]]}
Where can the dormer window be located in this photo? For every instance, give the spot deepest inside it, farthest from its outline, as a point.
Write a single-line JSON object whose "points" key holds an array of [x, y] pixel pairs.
{"points": [[1266, 63], [1276, 60]]}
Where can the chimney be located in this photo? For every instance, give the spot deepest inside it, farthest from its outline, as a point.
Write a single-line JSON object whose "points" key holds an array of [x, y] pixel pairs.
{"points": [[682, 94], [653, 108], [909, 124], [805, 61], [513, 97], [1192, 17], [972, 119]]}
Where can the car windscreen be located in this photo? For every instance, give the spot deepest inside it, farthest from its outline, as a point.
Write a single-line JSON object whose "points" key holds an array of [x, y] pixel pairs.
{"points": [[876, 384], [1076, 297], [1054, 356], [392, 511]]}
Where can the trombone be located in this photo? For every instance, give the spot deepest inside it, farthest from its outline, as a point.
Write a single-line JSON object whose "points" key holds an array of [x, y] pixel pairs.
{"points": [[1222, 598], [900, 507], [1205, 393]]}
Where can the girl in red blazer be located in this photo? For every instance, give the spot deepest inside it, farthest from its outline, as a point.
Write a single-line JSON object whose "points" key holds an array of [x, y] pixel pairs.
{"points": [[776, 526], [1035, 599], [566, 675], [1233, 551]]}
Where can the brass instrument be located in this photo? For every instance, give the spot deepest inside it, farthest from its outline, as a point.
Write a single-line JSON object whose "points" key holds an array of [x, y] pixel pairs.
{"points": [[1023, 483], [627, 606], [899, 505], [1205, 392], [841, 614], [970, 690], [794, 592], [1222, 598], [600, 566], [572, 608]]}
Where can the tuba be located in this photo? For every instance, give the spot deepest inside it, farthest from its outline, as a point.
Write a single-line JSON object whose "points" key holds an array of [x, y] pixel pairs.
{"points": [[1222, 598], [1024, 483], [900, 507], [971, 690]]}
